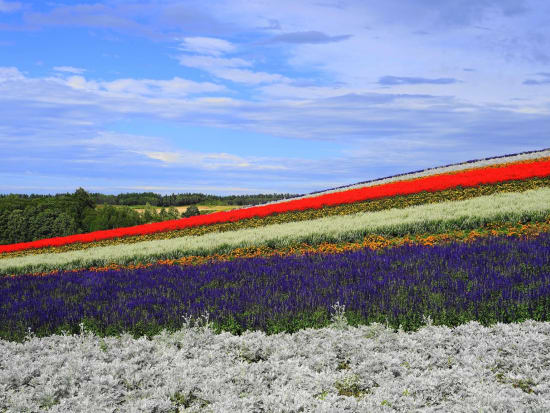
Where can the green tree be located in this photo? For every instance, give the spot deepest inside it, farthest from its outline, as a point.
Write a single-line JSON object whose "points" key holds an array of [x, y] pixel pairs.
{"points": [[80, 203], [150, 214], [49, 223], [191, 210], [16, 228], [4, 219], [110, 217], [163, 215], [173, 213], [63, 225], [127, 217]]}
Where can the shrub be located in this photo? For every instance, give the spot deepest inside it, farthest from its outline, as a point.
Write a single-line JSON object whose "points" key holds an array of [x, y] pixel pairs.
{"points": [[190, 211]]}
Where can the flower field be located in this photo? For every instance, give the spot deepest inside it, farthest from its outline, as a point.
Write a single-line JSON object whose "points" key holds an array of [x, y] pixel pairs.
{"points": [[427, 291], [532, 205], [465, 178]]}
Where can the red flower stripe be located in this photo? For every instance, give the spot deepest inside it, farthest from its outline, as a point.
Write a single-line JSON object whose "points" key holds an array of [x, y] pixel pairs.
{"points": [[468, 178]]}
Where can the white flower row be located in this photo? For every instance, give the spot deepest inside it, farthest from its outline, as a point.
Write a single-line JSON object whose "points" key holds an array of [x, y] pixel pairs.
{"points": [[471, 368], [444, 215]]}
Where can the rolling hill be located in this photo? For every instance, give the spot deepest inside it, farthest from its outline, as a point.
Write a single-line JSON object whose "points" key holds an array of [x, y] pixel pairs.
{"points": [[428, 290]]}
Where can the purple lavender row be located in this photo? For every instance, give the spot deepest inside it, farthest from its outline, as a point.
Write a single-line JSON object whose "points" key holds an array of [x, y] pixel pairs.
{"points": [[502, 279]]}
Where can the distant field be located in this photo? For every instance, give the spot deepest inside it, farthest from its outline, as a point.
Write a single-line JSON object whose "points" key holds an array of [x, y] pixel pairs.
{"points": [[141, 208]]}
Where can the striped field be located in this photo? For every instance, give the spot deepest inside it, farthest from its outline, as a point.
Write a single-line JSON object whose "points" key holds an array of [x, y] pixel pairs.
{"points": [[428, 291]]}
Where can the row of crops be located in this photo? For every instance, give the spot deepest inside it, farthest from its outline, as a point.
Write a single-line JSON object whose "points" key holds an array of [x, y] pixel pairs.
{"points": [[506, 194], [504, 279], [456, 245]]}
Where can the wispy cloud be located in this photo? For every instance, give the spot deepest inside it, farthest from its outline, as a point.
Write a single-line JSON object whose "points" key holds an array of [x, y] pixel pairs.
{"points": [[69, 69], [211, 63], [273, 24], [228, 68], [160, 88], [396, 80], [544, 81], [334, 113], [313, 37], [247, 76], [10, 73], [212, 161], [206, 45], [447, 14], [158, 149], [149, 88]]}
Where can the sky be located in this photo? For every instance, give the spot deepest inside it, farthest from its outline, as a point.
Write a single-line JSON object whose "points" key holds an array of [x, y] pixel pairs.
{"points": [[250, 96]]}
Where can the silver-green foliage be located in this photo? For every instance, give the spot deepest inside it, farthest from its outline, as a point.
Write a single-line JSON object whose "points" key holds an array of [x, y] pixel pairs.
{"points": [[504, 368]]}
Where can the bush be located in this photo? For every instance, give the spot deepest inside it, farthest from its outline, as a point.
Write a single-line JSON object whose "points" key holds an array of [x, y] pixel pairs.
{"points": [[190, 211], [110, 217], [150, 214]]}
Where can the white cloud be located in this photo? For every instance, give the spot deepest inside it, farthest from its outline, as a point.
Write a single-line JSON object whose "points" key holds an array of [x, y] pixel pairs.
{"points": [[79, 82], [10, 74], [515, 44], [158, 149], [211, 161], [342, 102], [69, 69], [219, 101], [208, 59], [151, 88], [130, 142], [290, 91], [65, 110], [210, 63], [8, 7], [248, 76], [166, 157], [206, 45], [230, 69], [311, 37]]}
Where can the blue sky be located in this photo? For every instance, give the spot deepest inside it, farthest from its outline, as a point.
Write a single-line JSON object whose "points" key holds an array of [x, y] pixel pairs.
{"points": [[245, 96]]}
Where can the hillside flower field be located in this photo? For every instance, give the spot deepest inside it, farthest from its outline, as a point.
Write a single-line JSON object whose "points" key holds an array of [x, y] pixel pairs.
{"points": [[496, 172], [503, 207], [427, 291]]}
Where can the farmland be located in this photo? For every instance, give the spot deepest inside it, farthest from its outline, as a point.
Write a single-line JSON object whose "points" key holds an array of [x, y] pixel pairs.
{"points": [[202, 208], [429, 290]]}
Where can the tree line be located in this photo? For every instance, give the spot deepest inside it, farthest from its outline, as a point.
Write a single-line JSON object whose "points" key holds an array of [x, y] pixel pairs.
{"points": [[143, 198], [31, 217]]}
